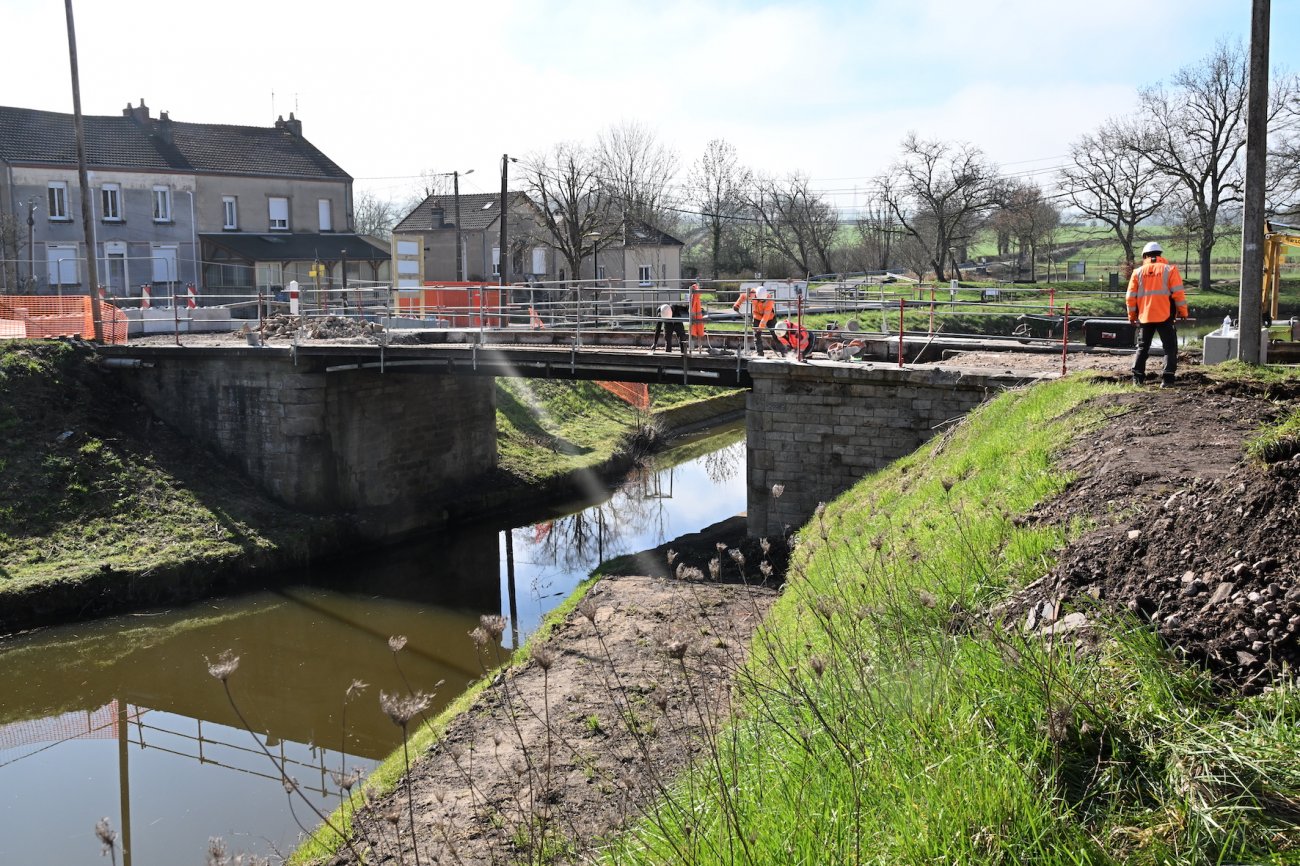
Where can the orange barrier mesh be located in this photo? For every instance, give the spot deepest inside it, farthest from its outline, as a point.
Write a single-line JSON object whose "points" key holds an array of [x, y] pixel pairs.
{"points": [[36, 317], [628, 392]]}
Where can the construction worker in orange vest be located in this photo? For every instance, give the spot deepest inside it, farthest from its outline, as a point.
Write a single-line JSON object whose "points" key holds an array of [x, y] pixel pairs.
{"points": [[762, 310], [697, 316], [1155, 301]]}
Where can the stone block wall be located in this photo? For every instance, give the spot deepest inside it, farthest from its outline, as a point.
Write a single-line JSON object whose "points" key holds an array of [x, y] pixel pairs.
{"points": [[381, 445], [818, 428]]}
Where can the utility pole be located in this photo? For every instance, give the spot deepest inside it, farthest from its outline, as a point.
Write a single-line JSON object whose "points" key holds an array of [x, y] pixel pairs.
{"points": [[87, 216], [455, 186], [501, 252], [1252, 223]]}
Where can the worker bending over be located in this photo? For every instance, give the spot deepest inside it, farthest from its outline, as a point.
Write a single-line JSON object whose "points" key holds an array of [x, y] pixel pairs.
{"points": [[762, 311]]}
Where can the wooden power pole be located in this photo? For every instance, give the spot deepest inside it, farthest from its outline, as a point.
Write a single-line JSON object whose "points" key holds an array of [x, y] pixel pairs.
{"points": [[87, 208], [1252, 223]]}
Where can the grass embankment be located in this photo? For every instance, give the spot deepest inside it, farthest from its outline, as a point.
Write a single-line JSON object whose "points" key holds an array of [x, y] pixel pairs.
{"points": [[547, 428], [882, 719], [102, 508], [92, 493]]}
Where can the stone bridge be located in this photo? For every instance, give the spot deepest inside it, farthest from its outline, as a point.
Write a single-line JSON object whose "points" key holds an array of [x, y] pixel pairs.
{"points": [[398, 435]]}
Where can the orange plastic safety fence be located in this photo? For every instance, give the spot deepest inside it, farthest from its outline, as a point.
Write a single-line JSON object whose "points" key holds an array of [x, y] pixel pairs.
{"points": [[636, 395], [36, 317]]}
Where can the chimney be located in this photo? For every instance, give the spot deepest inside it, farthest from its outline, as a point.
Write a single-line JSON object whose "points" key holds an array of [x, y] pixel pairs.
{"points": [[293, 124], [139, 115], [164, 128]]}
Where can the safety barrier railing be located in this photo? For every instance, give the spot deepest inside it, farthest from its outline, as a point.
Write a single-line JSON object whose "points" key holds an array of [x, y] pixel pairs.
{"points": [[572, 314]]}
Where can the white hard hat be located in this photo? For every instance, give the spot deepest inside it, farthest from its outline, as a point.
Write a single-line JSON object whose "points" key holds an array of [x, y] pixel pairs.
{"points": [[666, 311], [760, 293], [782, 327], [1152, 247]]}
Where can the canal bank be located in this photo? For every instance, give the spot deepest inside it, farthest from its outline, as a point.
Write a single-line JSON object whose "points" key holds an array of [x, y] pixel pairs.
{"points": [[122, 709], [103, 509]]}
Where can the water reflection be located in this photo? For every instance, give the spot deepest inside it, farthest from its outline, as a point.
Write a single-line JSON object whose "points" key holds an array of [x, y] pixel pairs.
{"points": [[121, 718]]}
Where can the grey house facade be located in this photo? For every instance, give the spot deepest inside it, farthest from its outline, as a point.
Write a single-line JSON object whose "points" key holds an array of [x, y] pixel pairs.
{"points": [[164, 192]]}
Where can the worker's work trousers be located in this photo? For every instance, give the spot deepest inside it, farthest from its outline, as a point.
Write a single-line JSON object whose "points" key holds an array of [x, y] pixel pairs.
{"points": [[1168, 342], [670, 328], [770, 330]]}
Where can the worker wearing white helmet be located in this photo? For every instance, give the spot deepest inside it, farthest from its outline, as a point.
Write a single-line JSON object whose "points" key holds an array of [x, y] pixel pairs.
{"points": [[1155, 300]]}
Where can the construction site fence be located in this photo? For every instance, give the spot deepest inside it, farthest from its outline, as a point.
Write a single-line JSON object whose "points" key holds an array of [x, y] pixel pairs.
{"points": [[41, 317], [566, 309]]}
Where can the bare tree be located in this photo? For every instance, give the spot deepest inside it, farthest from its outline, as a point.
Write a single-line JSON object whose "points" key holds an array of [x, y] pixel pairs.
{"points": [[718, 182], [9, 251], [877, 231], [576, 217], [636, 171], [1284, 161], [940, 193], [375, 216], [798, 225], [1194, 133], [1112, 182], [1027, 218]]}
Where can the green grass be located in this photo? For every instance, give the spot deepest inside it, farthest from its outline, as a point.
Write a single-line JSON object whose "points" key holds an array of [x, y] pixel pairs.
{"points": [[547, 428], [882, 721], [82, 495]]}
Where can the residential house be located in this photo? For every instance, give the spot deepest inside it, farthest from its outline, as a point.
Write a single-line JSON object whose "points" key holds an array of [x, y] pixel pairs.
{"points": [[229, 209], [424, 242], [424, 246]]}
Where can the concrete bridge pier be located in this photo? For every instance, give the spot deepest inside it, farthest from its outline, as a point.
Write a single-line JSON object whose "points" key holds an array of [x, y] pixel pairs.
{"points": [[818, 428], [383, 447]]}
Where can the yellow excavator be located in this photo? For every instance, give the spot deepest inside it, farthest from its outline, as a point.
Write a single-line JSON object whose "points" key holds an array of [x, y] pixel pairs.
{"points": [[1276, 237]]}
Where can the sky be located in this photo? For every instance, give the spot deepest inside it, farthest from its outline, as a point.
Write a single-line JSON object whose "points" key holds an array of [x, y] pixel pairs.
{"points": [[391, 89]]}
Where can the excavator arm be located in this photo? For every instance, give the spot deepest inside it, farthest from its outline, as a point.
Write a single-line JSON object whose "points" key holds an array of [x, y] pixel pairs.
{"points": [[1276, 238]]}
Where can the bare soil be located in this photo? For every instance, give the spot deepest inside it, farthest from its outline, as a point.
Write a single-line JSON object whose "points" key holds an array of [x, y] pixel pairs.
{"points": [[1184, 532], [1188, 534], [561, 752]]}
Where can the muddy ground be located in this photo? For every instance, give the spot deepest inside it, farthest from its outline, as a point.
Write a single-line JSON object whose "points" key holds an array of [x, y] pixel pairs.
{"points": [[1185, 533]]}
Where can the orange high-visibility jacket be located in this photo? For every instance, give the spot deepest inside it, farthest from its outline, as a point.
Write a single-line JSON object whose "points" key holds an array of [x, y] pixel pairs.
{"points": [[762, 309], [1150, 291], [697, 313]]}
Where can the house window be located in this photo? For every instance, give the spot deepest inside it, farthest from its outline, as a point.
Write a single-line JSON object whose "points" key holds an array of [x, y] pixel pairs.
{"points": [[163, 257], [58, 200], [162, 204], [110, 202], [600, 272], [229, 213], [326, 219], [62, 264], [643, 275], [496, 261], [539, 260], [278, 209]]}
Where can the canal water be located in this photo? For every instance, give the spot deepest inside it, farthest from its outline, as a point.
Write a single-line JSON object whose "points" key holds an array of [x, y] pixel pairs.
{"points": [[120, 718]]}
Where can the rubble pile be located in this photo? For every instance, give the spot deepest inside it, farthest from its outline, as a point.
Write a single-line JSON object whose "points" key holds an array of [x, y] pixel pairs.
{"points": [[1191, 538], [327, 328]]}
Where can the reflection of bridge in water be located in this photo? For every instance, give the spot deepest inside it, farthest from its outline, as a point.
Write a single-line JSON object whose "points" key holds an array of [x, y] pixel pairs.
{"points": [[230, 749]]}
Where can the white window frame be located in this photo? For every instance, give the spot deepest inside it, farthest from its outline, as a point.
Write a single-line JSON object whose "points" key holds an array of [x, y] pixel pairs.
{"points": [[272, 222], [496, 261], [162, 204], [56, 200], [645, 275], [110, 202], [165, 262], [325, 214], [55, 272], [229, 213]]}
